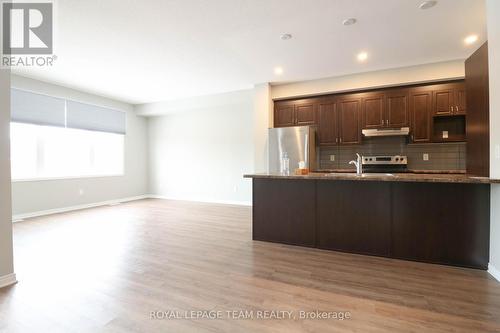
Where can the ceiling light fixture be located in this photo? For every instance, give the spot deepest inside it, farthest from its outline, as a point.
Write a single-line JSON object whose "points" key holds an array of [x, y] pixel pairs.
{"points": [[471, 39], [278, 70], [286, 36], [427, 4], [349, 21], [362, 56]]}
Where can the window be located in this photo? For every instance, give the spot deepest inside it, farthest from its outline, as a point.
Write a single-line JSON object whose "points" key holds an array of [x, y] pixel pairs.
{"points": [[53, 137], [44, 152]]}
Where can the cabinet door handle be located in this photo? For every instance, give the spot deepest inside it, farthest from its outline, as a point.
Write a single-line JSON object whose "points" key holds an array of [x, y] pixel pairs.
{"points": [[336, 140], [451, 108]]}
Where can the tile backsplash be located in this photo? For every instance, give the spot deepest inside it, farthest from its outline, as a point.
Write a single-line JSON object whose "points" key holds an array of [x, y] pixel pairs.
{"points": [[441, 156]]}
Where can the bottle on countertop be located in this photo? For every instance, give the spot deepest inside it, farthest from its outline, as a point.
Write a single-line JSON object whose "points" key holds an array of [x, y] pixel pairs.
{"points": [[285, 164]]}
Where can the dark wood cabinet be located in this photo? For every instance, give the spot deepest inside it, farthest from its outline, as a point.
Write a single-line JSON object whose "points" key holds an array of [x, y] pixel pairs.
{"points": [[373, 110], [284, 211], [385, 109], [349, 111], [397, 111], [295, 113], [460, 101], [478, 117], [339, 120], [284, 114], [449, 99], [340, 227], [443, 102], [444, 223], [438, 107], [305, 113], [328, 122], [420, 115]]}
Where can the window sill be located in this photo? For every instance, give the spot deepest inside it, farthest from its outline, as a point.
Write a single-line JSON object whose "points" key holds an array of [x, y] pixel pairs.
{"points": [[64, 178]]}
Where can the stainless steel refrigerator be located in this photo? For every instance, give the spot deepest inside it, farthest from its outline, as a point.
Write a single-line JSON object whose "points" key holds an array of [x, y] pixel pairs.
{"points": [[298, 142]]}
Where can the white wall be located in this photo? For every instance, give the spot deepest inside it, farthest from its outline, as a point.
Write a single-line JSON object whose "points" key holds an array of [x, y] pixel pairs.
{"points": [[263, 119], [493, 17], [201, 152], [6, 258], [376, 79], [34, 196]]}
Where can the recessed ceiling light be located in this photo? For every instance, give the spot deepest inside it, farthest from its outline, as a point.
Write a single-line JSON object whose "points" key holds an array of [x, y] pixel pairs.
{"points": [[471, 39], [362, 56], [286, 36], [278, 70], [349, 21], [427, 4]]}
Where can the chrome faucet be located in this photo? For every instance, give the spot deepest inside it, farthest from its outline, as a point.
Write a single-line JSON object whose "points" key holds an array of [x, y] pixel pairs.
{"points": [[358, 164]]}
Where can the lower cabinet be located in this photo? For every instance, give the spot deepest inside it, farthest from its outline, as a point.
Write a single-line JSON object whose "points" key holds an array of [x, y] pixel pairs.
{"points": [[442, 223], [354, 216], [284, 211]]}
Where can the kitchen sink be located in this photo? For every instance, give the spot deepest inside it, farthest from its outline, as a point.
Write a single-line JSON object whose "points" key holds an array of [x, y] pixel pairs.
{"points": [[375, 174]]}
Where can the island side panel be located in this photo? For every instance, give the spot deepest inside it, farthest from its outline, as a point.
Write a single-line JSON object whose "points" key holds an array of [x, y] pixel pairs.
{"points": [[284, 211], [442, 223], [354, 216]]}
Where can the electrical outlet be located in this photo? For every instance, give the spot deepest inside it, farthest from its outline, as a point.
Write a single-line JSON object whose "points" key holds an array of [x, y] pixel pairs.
{"points": [[235, 189], [332, 158], [81, 192], [425, 157], [445, 134]]}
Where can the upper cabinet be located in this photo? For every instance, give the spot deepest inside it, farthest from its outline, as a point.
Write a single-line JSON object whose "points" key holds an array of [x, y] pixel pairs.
{"points": [[349, 118], [295, 113], [374, 110], [397, 112], [449, 99], [328, 130], [339, 120], [460, 100], [385, 109], [420, 115], [305, 112], [434, 113], [284, 114]]}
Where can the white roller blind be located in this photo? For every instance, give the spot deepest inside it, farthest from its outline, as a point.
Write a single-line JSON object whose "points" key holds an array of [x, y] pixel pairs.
{"points": [[95, 118], [31, 108]]}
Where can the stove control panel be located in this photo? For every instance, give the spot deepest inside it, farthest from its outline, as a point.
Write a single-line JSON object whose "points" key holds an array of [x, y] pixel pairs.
{"points": [[385, 160]]}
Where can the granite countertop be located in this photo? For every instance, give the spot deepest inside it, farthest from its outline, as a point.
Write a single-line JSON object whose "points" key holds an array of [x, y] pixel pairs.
{"points": [[396, 177], [458, 172]]}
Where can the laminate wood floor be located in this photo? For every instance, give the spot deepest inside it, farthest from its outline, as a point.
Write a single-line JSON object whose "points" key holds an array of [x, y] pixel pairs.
{"points": [[106, 269]]}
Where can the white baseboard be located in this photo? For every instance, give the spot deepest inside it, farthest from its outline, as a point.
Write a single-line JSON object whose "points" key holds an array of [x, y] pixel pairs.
{"points": [[223, 202], [7, 280], [494, 272], [20, 217]]}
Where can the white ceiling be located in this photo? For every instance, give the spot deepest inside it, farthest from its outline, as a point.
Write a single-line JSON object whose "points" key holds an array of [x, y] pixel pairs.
{"points": [[142, 51]]}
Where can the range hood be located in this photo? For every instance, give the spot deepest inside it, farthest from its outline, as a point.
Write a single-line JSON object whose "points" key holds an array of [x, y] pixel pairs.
{"points": [[386, 132]]}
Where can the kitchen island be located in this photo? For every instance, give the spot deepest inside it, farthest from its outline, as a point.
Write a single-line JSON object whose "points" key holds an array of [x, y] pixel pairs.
{"points": [[435, 218]]}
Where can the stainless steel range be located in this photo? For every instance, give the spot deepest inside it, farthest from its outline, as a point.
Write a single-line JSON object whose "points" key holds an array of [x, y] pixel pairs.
{"points": [[385, 164]]}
